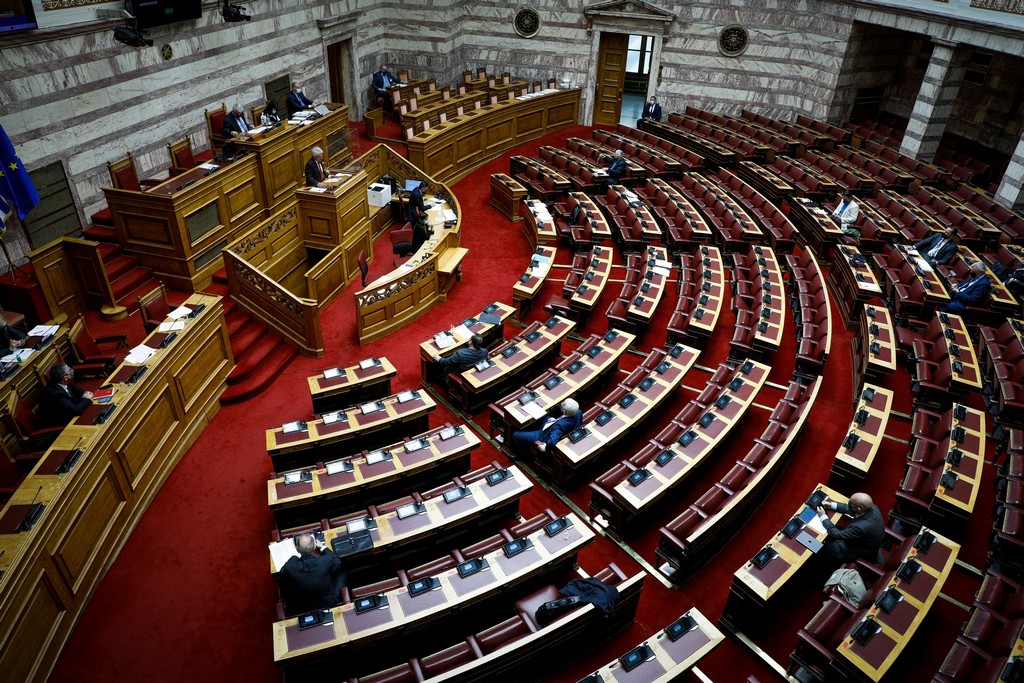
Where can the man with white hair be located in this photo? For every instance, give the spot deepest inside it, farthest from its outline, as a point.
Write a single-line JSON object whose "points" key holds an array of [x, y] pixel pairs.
{"points": [[553, 430], [971, 292], [316, 171], [235, 123]]}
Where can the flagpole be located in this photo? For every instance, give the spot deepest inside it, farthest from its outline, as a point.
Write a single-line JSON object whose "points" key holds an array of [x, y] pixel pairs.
{"points": [[11, 268]]}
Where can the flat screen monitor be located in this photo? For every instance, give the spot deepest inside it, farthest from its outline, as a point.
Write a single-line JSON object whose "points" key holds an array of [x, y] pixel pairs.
{"points": [[150, 13]]}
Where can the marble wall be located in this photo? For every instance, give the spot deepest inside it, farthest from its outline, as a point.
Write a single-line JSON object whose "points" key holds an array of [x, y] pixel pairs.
{"points": [[81, 99]]}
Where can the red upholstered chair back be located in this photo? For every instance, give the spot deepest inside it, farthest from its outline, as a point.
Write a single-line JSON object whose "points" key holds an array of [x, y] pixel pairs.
{"points": [[154, 308], [182, 158], [24, 417], [123, 174]]}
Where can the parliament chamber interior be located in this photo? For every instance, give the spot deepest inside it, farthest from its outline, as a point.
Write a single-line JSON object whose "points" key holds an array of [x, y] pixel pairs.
{"points": [[319, 266]]}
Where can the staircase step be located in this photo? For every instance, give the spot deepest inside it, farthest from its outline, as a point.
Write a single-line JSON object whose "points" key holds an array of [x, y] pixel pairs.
{"points": [[119, 265], [263, 377], [254, 355], [109, 252], [104, 218], [235, 319], [221, 276], [131, 299], [100, 233], [248, 335], [218, 288], [129, 281]]}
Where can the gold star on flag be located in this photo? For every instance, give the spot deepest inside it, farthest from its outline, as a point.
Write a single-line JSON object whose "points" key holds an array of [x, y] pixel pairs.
{"points": [[13, 166]]}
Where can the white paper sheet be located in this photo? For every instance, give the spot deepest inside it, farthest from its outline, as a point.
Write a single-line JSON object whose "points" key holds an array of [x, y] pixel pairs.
{"points": [[180, 312], [282, 551], [140, 354], [20, 354], [173, 326], [43, 330], [534, 410], [461, 333]]}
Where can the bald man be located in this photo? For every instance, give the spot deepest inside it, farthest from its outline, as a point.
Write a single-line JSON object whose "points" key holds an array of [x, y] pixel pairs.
{"points": [[861, 537]]}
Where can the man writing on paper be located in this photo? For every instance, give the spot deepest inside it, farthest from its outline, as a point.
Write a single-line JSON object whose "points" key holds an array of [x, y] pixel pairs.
{"points": [[861, 537], [235, 123], [313, 580], [10, 339], [464, 359], [847, 213], [553, 430], [938, 248], [296, 100], [62, 400], [316, 172]]}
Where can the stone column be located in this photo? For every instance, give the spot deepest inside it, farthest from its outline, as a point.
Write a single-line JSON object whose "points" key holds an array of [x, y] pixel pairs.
{"points": [[935, 99], [1011, 187]]}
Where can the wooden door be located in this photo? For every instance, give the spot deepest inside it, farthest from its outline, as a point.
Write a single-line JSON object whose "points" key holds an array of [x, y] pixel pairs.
{"points": [[611, 75], [335, 71]]}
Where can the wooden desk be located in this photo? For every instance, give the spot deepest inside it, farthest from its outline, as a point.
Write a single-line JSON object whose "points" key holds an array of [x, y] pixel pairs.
{"points": [[539, 225], [576, 377], [566, 458], [634, 500], [451, 150], [854, 281], [770, 184], [698, 225], [955, 504], [480, 386], [351, 384], [51, 571], [968, 376], [525, 289], [871, 661], [403, 614], [671, 658], [879, 342], [641, 308], [706, 313], [347, 427], [591, 212], [457, 337], [771, 311], [854, 463], [1000, 298], [934, 288], [754, 590], [328, 494], [392, 536], [814, 222], [598, 274], [506, 195]]}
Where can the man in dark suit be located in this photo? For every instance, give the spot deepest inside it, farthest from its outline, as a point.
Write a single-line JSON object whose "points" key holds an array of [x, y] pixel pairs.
{"points": [[415, 206], [312, 580], [971, 292], [553, 430], [464, 359], [10, 338], [382, 80], [62, 401], [861, 538], [616, 167], [420, 232], [652, 110], [296, 100], [938, 248], [235, 123], [316, 171]]}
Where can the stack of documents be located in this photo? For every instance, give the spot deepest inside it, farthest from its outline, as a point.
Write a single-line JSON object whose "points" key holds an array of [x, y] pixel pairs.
{"points": [[139, 355], [19, 356], [43, 330], [172, 326], [180, 312]]}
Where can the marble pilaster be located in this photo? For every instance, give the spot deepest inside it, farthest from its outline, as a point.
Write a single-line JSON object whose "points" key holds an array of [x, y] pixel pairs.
{"points": [[934, 104]]}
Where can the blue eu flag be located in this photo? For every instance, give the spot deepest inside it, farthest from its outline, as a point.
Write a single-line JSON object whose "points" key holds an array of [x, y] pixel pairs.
{"points": [[17, 193]]}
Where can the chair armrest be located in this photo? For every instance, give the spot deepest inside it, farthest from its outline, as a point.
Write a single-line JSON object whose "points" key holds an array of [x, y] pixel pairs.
{"points": [[120, 339]]}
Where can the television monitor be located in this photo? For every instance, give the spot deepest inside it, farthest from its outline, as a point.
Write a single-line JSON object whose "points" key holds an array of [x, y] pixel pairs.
{"points": [[150, 13]]}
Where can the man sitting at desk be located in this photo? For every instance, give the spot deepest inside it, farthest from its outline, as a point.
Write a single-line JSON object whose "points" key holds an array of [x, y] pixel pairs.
{"points": [[938, 248], [971, 292], [420, 231], [862, 537], [553, 430], [382, 80], [464, 359], [616, 168], [296, 100], [312, 580], [235, 123], [847, 212], [62, 400], [10, 339], [316, 172], [652, 110]]}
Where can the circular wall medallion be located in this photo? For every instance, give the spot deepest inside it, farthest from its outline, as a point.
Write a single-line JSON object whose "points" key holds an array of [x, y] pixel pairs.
{"points": [[732, 42], [527, 22], [166, 52]]}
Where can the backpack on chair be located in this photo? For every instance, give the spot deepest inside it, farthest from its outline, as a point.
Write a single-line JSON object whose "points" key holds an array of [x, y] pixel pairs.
{"points": [[849, 584]]}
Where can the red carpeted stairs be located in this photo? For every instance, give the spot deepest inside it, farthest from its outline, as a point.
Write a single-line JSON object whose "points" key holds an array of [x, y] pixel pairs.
{"points": [[128, 280], [260, 353]]}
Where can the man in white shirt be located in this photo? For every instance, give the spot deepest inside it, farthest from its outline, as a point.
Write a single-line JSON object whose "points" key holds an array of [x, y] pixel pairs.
{"points": [[847, 214]]}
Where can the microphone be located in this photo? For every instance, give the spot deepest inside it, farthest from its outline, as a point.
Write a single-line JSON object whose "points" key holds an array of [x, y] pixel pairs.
{"points": [[32, 514], [72, 458]]}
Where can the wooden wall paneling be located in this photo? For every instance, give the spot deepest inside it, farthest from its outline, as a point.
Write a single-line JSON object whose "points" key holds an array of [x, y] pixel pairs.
{"points": [[327, 278], [33, 625], [56, 277], [92, 276]]}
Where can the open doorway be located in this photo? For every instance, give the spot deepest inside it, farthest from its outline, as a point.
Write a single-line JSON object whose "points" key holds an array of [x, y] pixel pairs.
{"points": [[639, 51]]}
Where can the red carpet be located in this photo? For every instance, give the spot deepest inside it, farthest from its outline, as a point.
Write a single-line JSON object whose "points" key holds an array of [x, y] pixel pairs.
{"points": [[190, 598]]}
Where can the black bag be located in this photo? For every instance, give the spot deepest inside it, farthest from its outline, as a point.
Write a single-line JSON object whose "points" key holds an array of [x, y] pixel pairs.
{"points": [[553, 609]]}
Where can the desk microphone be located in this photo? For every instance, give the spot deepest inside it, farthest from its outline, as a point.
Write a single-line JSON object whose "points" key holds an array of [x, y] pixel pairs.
{"points": [[72, 458], [32, 514]]}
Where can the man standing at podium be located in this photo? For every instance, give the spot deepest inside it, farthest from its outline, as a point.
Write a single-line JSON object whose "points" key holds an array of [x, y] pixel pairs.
{"points": [[296, 100], [316, 172], [62, 400]]}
